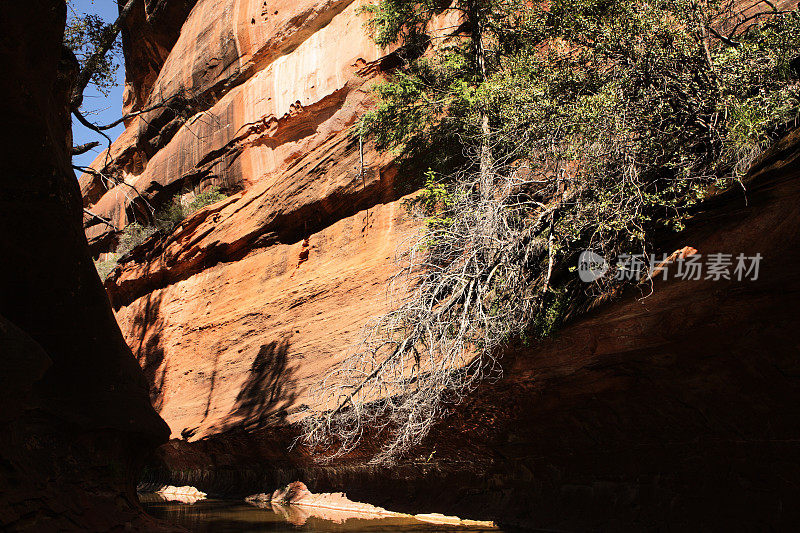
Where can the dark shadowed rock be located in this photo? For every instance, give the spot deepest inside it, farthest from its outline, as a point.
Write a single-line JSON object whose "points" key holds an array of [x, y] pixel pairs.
{"points": [[673, 412], [75, 423]]}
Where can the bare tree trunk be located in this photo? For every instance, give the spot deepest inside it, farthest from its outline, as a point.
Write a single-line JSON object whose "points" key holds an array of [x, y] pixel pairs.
{"points": [[477, 30], [701, 14]]}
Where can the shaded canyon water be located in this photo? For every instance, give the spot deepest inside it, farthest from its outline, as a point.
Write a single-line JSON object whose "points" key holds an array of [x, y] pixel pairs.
{"points": [[232, 516]]}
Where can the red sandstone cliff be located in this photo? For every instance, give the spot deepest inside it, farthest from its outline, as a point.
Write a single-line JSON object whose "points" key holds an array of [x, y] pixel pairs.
{"points": [[236, 300], [678, 409], [675, 412]]}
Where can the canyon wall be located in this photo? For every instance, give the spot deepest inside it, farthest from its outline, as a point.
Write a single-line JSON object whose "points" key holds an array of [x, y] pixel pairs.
{"points": [[661, 412], [677, 411], [75, 421], [226, 314]]}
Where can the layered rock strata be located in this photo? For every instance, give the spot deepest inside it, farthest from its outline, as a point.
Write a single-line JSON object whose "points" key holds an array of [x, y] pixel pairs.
{"points": [[675, 411], [232, 303], [664, 412]]}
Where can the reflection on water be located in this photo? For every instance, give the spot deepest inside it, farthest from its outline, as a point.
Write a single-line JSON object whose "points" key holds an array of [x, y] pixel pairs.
{"points": [[237, 516]]}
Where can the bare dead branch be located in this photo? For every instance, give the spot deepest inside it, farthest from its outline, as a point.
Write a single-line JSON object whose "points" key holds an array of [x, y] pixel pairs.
{"points": [[104, 220], [92, 127], [116, 181], [442, 336], [83, 148]]}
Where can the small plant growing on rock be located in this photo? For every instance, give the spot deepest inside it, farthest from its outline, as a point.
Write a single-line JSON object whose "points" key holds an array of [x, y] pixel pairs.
{"points": [[166, 220], [176, 211], [132, 236], [106, 266], [210, 196]]}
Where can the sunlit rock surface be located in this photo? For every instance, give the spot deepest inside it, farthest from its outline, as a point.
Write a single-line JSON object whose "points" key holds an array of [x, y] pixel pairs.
{"points": [[297, 504], [233, 303], [185, 494], [668, 412]]}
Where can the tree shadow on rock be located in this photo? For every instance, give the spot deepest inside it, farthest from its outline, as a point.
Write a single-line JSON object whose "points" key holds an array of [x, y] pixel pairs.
{"points": [[146, 343], [268, 390]]}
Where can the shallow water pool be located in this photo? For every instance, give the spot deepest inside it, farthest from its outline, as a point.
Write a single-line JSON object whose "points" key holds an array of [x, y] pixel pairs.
{"points": [[221, 516]]}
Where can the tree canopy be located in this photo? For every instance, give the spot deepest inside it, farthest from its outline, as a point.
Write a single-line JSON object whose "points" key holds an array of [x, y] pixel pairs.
{"points": [[85, 35], [606, 123]]}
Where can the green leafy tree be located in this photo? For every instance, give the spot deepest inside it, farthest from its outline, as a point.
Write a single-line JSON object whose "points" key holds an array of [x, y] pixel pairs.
{"points": [[608, 123], [644, 116], [450, 49], [94, 44], [84, 35]]}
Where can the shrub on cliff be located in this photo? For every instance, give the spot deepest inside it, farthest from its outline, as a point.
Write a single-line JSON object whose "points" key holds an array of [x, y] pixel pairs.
{"points": [[177, 210], [132, 236], [106, 266], [584, 124], [173, 212]]}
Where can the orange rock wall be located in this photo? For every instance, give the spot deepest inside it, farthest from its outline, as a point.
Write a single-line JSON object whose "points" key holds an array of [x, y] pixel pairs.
{"points": [[663, 413], [238, 312], [674, 412]]}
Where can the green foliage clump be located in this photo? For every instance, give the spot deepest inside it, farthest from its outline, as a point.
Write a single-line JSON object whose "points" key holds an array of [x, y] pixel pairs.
{"points": [[548, 128], [83, 35], [547, 321], [106, 266], [434, 104], [176, 211], [631, 111], [421, 124], [166, 219], [170, 216], [645, 117], [210, 196], [132, 236], [434, 199]]}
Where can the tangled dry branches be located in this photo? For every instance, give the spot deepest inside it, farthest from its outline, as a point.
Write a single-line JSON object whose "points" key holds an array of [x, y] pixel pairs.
{"points": [[468, 282]]}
